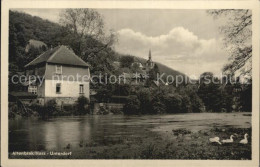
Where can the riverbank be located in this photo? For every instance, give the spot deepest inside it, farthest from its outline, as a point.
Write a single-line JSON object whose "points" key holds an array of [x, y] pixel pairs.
{"points": [[179, 136], [49, 111], [182, 145]]}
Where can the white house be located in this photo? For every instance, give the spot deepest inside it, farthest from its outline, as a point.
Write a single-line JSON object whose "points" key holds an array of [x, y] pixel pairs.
{"points": [[61, 75]]}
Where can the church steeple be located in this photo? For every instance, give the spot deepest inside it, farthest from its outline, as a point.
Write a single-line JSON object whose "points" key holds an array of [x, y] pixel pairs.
{"points": [[150, 55], [149, 62]]}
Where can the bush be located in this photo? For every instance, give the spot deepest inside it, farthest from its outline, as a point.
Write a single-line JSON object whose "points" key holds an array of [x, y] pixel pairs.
{"points": [[191, 102], [51, 105], [158, 104], [132, 105], [66, 110], [41, 111], [48, 110], [168, 100], [68, 107], [103, 110], [186, 106], [12, 110], [81, 106], [173, 103], [246, 98], [197, 104], [181, 131], [211, 96], [116, 111], [144, 96], [103, 94]]}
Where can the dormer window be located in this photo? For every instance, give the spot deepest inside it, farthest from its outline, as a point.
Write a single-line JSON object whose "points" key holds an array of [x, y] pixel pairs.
{"points": [[58, 69]]}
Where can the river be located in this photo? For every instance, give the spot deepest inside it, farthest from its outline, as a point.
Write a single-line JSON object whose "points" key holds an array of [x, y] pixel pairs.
{"points": [[32, 134]]}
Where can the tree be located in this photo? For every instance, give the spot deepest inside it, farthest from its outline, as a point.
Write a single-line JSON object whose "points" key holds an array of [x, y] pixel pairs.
{"points": [[246, 98], [86, 27], [122, 89], [126, 61], [210, 92], [196, 103], [132, 105], [32, 54], [206, 77], [84, 32], [83, 22], [82, 101], [145, 97], [158, 104], [237, 39], [22, 28], [173, 103], [104, 93], [136, 68]]}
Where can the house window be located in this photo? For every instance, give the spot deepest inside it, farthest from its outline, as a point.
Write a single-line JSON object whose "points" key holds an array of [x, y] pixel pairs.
{"points": [[58, 88], [32, 89], [58, 69], [81, 89]]}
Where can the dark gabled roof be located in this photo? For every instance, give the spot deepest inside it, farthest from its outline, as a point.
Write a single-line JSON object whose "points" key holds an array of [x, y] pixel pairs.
{"points": [[58, 55]]}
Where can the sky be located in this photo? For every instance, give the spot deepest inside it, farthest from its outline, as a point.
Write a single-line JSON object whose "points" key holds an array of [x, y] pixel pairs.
{"points": [[185, 40]]}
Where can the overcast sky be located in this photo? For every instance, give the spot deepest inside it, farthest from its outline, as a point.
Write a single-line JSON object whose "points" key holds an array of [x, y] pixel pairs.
{"points": [[185, 40]]}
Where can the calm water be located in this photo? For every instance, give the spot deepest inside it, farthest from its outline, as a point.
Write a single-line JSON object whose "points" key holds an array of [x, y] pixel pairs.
{"points": [[54, 134]]}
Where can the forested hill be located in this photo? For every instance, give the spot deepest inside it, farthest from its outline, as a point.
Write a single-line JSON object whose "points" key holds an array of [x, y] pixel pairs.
{"points": [[24, 27], [27, 27]]}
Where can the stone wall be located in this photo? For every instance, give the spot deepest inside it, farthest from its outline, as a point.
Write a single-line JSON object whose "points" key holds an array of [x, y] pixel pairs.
{"points": [[62, 100]]}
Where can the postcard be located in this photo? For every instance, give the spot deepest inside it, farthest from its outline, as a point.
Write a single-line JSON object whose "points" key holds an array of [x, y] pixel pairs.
{"points": [[130, 83]]}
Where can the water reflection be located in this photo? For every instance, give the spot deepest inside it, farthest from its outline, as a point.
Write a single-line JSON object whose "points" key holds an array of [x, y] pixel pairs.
{"points": [[65, 131], [54, 134]]}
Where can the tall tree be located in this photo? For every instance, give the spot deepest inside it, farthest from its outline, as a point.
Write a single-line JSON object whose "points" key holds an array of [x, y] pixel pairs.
{"points": [[237, 39], [84, 31], [87, 27], [210, 92]]}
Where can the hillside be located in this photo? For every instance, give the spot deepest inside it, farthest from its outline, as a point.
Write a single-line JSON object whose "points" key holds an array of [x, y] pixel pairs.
{"points": [[27, 27], [167, 70]]}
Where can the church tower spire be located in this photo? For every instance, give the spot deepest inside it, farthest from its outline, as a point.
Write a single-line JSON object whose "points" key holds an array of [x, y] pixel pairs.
{"points": [[150, 55], [149, 62]]}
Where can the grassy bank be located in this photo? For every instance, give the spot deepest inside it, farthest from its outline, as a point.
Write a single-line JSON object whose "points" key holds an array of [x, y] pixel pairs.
{"points": [[178, 144]]}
